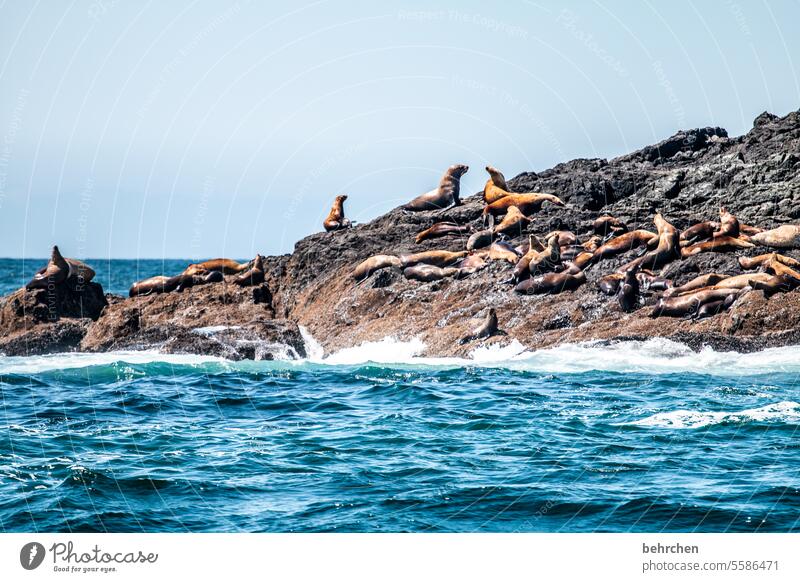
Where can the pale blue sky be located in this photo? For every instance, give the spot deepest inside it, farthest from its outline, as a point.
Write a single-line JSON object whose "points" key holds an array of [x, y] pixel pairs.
{"points": [[197, 129]]}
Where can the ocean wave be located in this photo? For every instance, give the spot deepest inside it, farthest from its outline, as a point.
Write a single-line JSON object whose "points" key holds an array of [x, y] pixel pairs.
{"points": [[787, 412], [651, 357]]}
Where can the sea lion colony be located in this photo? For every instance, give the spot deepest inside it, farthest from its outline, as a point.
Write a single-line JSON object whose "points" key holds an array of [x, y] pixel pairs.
{"points": [[540, 263]]}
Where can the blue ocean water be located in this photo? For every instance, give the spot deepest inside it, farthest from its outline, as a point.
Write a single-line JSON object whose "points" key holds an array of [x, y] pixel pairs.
{"points": [[637, 436]]}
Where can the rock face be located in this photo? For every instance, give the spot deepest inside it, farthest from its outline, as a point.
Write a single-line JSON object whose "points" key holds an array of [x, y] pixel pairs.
{"points": [[686, 178]]}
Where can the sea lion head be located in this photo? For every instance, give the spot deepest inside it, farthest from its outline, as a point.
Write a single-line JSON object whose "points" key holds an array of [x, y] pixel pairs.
{"points": [[341, 197], [497, 176], [457, 170]]}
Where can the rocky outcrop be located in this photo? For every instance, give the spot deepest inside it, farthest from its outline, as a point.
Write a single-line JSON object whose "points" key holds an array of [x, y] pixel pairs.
{"points": [[686, 177]]}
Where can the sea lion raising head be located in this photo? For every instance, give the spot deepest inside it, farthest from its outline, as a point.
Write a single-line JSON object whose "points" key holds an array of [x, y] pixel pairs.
{"points": [[446, 195], [61, 270], [336, 219], [496, 187]]}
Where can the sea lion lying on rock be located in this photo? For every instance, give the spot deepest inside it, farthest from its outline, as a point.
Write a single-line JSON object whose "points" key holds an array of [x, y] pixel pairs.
{"points": [[442, 229], [718, 244], [486, 329], [374, 263], [253, 276], [688, 305], [756, 262], [526, 203], [445, 195], [428, 273], [224, 266], [60, 270], [502, 251], [480, 239], [624, 243], [551, 283], [436, 258], [609, 226], [513, 223], [783, 237], [164, 284]]}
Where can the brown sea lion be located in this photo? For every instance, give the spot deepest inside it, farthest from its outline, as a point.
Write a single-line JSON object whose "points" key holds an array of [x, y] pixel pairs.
{"points": [[551, 283], [336, 219], [535, 261], [714, 307], [609, 284], [151, 285], [718, 244], [729, 224], [253, 276], [628, 294], [565, 237], [470, 265], [61, 270], [200, 278], [583, 260], [427, 273], [783, 237], [592, 243], [700, 282], [527, 203], [486, 329], [374, 263], [437, 258], [513, 223], [446, 195], [700, 231], [502, 251], [441, 229], [480, 239], [496, 187], [649, 281], [776, 284], [624, 243], [687, 305], [224, 266], [608, 225], [756, 262], [666, 251]]}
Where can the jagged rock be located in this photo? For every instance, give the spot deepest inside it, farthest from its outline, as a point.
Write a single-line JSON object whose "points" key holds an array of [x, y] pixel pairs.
{"points": [[686, 177]]}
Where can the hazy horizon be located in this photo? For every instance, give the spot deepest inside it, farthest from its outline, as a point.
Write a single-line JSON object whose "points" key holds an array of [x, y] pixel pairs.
{"points": [[195, 130]]}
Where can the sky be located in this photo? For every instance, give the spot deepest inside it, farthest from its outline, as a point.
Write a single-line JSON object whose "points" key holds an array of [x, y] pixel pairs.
{"points": [[201, 129]]}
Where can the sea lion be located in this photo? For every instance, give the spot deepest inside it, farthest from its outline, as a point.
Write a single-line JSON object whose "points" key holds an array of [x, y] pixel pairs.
{"points": [[700, 231], [437, 258], [502, 251], [551, 283], [441, 229], [593, 243], [496, 187], [649, 281], [535, 261], [480, 239], [775, 284], [718, 244], [687, 305], [628, 294], [584, 259], [733, 282], [201, 278], [224, 266], [374, 263], [513, 223], [61, 270], [783, 237], [608, 225], [485, 330], [756, 262], [253, 276], [624, 243], [700, 282], [157, 284], [729, 224], [776, 267], [666, 251], [470, 265], [714, 307], [444, 196], [609, 284], [427, 273], [565, 237], [527, 203], [336, 219]]}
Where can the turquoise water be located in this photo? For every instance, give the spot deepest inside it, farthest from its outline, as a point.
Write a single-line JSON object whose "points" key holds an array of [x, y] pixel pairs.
{"points": [[629, 437]]}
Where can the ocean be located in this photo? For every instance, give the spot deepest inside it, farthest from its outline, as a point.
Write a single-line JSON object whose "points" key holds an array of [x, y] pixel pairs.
{"points": [[626, 437]]}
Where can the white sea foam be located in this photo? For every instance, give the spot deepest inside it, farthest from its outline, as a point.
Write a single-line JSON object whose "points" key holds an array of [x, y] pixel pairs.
{"points": [[654, 356], [67, 361], [786, 412]]}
